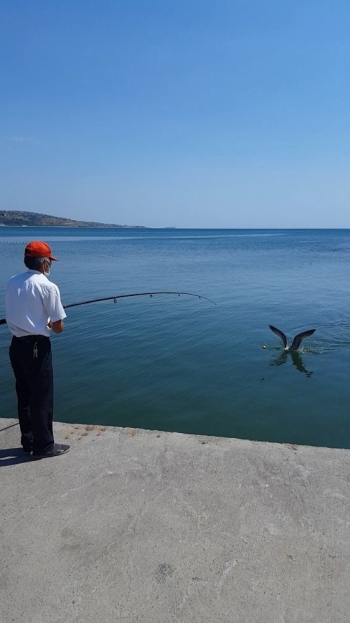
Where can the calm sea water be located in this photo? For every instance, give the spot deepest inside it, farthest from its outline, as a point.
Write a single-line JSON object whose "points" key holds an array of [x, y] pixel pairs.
{"points": [[184, 364]]}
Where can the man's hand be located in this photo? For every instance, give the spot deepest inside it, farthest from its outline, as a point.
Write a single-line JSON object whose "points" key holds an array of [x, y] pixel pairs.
{"points": [[57, 327]]}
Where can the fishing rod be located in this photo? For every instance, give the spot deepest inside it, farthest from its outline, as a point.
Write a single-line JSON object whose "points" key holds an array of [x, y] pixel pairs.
{"points": [[125, 296]]}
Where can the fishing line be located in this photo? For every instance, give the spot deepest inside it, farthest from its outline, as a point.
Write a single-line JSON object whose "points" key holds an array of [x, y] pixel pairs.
{"points": [[125, 296], [10, 426]]}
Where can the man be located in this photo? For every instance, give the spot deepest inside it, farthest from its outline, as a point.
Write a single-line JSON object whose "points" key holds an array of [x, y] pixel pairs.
{"points": [[33, 310]]}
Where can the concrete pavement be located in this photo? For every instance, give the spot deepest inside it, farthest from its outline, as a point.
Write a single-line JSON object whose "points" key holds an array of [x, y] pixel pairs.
{"points": [[152, 527]]}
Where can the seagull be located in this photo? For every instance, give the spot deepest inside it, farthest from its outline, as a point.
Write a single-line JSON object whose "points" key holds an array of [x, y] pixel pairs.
{"points": [[297, 340]]}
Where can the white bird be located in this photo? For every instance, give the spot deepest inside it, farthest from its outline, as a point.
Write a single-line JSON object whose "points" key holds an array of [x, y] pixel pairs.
{"points": [[296, 341]]}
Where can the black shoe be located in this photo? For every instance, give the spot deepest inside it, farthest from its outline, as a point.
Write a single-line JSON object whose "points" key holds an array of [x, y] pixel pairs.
{"points": [[27, 451], [57, 450]]}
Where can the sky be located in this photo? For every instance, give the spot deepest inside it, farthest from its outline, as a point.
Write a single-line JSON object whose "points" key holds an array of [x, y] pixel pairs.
{"points": [[177, 113]]}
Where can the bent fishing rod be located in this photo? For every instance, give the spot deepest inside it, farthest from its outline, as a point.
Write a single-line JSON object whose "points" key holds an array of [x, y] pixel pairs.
{"points": [[125, 296]]}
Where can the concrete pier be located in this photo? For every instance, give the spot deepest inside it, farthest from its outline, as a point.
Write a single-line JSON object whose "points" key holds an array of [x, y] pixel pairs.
{"points": [[151, 527]]}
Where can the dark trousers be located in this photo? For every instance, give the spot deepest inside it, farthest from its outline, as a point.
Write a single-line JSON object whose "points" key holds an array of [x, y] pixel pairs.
{"points": [[31, 361]]}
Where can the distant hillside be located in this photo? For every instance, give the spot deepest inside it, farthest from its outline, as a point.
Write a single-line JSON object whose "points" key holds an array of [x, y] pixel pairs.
{"points": [[17, 218]]}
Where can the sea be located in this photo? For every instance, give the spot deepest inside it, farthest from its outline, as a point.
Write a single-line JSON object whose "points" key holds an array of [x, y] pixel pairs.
{"points": [[186, 364]]}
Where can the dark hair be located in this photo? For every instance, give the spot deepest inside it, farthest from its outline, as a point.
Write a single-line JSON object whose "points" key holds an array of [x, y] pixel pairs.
{"points": [[35, 263]]}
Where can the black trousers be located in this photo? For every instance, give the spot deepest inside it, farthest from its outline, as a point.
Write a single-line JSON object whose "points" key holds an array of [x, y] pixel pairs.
{"points": [[31, 361]]}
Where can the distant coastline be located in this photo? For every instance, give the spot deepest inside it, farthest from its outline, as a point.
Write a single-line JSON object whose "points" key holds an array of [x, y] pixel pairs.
{"points": [[18, 218]]}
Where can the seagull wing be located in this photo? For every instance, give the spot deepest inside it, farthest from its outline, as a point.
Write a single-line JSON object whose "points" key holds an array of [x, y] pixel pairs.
{"points": [[280, 334], [299, 338]]}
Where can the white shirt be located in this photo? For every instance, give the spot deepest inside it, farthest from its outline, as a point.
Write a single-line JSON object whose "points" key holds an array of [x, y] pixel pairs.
{"points": [[31, 301]]}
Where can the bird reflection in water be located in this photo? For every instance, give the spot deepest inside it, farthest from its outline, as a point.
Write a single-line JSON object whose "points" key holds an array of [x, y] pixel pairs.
{"points": [[296, 360]]}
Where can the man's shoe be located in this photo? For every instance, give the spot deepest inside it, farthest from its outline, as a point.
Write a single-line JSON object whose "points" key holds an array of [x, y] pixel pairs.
{"points": [[57, 450], [27, 451]]}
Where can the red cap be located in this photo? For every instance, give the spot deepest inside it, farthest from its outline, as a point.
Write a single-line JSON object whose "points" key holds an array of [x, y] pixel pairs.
{"points": [[39, 249]]}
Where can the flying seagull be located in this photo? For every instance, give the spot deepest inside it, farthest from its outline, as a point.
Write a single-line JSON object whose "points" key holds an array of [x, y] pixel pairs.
{"points": [[297, 340]]}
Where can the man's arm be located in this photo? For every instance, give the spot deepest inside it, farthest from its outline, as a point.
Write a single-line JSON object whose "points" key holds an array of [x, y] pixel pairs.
{"points": [[53, 307]]}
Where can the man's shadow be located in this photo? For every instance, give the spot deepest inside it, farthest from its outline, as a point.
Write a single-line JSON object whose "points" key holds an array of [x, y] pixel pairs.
{"points": [[13, 456], [296, 360]]}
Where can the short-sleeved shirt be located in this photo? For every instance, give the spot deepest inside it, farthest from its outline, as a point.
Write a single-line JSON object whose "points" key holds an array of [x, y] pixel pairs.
{"points": [[31, 302]]}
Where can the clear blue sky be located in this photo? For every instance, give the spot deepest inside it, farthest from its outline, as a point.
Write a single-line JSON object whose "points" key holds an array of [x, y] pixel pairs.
{"points": [[187, 113]]}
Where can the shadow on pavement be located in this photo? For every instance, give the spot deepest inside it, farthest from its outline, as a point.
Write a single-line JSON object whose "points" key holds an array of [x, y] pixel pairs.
{"points": [[13, 456]]}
